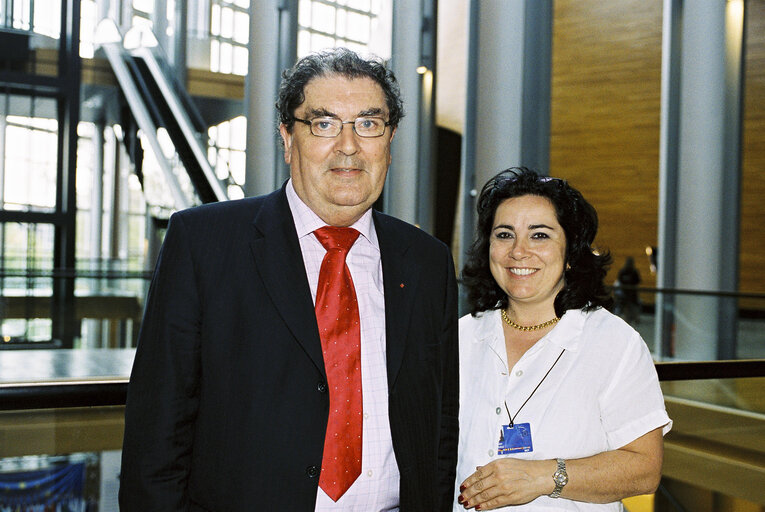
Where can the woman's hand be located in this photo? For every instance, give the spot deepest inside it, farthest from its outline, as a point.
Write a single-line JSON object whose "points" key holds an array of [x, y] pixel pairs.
{"points": [[633, 469], [507, 482]]}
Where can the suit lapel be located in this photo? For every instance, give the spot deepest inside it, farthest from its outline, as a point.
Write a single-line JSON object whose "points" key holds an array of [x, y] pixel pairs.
{"points": [[279, 262], [400, 283]]}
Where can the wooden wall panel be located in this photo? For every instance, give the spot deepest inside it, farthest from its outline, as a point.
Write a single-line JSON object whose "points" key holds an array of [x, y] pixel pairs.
{"points": [[605, 117], [752, 261], [605, 125]]}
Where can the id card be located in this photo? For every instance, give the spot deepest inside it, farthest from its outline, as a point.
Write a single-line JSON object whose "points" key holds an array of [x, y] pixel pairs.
{"points": [[515, 439]]}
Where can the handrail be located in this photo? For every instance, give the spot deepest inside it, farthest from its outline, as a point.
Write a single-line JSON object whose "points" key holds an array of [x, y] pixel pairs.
{"points": [[62, 394], [683, 291], [113, 392], [702, 370], [77, 273]]}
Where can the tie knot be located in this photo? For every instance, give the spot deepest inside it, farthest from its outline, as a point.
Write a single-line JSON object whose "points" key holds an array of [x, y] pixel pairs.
{"points": [[332, 237]]}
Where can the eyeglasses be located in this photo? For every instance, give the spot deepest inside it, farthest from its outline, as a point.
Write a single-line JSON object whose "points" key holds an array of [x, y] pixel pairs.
{"points": [[331, 126]]}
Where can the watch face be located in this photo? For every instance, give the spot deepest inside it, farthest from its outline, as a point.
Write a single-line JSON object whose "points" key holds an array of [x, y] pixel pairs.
{"points": [[560, 478]]}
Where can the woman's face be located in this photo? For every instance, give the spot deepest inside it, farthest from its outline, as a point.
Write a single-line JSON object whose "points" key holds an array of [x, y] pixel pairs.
{"points": [[527, 250]]}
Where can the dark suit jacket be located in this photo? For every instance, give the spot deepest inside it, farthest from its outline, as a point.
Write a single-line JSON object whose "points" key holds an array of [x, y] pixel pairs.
{"points": [[227, 404]]}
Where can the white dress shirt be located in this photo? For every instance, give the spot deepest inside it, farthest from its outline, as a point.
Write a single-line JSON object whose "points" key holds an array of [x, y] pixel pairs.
{"points": [[602, 394], [377, 488]]}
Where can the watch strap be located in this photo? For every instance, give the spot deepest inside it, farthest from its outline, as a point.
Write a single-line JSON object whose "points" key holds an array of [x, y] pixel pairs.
{"points": [[560, 477]]}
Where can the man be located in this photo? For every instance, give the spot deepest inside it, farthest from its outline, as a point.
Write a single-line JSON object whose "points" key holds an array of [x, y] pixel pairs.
{"points": [[287, 361]]}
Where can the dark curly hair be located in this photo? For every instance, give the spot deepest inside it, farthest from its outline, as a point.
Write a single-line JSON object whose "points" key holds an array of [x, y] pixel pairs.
{"points": [[337, 61], [584, 287]]}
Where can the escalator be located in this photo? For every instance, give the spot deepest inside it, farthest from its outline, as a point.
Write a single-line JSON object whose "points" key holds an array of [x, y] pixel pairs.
{"points": [[163, 112]]}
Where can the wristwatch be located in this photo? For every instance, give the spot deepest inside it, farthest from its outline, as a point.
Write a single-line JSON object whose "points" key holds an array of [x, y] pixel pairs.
{"points": [[560, 477]]}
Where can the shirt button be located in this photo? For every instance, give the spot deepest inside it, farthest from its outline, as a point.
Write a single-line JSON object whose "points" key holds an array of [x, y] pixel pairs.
{"points": [[369, 473], [519, 373], [366, 415], [491, 453], [312, 471], [321, 387], [499, 410]]}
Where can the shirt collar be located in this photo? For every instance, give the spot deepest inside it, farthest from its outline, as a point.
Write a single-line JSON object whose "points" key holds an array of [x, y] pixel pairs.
{"points": [[306, 221], [567, 334]]}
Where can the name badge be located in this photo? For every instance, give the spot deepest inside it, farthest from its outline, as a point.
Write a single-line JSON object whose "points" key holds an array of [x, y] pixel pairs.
{"points": [[514, 439]]}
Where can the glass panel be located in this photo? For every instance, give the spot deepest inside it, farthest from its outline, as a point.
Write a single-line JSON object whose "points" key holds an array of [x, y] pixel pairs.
{"points": [[239, 133], [304, 43], [214, 55], [47, 18], [77, 449], [21, 15], [241, 27], [26, 284], [88, 20], [342, 23], [358, 27], [699, 326], [221, 167], [323, 18], [227, 23], [235, 192], [240, 60], [215, 20], [237, 166], [228, 141], [717, 438], [319, 41], [304, 13], [226, 57], [29, 164]]}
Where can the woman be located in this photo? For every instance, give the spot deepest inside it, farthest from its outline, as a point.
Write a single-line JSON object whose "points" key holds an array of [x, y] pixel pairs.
{"points": [[560, 405]]}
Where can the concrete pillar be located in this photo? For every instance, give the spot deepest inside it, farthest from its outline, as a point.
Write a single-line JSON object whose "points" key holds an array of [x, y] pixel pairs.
{"points": [[668, 176], [708, 178], [507, 116], [179, 42], [507, 57], [410, 183], [96, 227], [273, 47], [97, 195]]}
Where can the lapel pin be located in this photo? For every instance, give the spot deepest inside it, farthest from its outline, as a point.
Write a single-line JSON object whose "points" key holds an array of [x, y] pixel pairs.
{"points": [[401, 285]]}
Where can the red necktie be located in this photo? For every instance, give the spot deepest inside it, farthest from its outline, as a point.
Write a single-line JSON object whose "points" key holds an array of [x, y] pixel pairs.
{"points": [[337, 315]]}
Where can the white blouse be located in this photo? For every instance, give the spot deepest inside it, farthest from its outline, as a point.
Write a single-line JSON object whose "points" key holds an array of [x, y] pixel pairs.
{"points": [[602, 394]]}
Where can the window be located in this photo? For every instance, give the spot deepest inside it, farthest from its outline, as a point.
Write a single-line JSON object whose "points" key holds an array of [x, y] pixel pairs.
{"points": [[229, 35], [360, 25], [226, 154]]}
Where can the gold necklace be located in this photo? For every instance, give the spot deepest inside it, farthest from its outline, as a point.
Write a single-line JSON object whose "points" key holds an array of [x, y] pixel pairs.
{"points": [[530, 328]]}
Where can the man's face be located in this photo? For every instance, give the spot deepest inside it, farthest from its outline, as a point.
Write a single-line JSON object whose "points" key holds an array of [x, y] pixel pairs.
{"points": [[338, 178]]}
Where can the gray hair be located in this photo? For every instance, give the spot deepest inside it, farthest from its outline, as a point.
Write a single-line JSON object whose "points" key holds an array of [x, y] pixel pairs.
{"points": [[337, 61]]}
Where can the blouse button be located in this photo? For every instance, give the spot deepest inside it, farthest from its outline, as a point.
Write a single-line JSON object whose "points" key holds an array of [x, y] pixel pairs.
{"points": [[519, 373], [499, 411], [491, 453]]}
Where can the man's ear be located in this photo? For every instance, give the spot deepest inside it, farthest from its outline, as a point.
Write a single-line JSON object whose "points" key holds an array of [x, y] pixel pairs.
{"points": [[286, 141]]}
